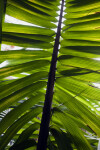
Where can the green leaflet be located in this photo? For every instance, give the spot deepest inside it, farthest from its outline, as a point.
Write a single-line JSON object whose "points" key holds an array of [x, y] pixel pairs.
{"points": [[79, 5], [31, 9], [2, 11], [26, 41], [82, 51], [24, 145], [52, 144], [80, 62], [26, 16], [85, 14], [83, 26], [18, 125], [61, 138], [46, 7], [46, 3], [84, 35], [78, 42], [24, 54], [19, 94], [79, 88], [80, 123], [39, 38], [29, 66], [78, 108], [27, 133], [17, 28], [88, 17], [77, 137], [20, 109], [80, 74], [21, 83]]}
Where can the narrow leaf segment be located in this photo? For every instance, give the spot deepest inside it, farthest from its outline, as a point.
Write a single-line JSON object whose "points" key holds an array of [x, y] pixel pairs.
{"points": [[44, 128], [2, 12]]}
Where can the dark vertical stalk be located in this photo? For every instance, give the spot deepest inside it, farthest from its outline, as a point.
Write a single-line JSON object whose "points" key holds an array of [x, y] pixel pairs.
{"points": [[44, 128], [2, 16]]}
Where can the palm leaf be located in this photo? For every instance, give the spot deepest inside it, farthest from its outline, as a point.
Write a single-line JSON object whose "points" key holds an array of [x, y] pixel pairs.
{"points": [[17, 125], [23, 80], [2, 12]]}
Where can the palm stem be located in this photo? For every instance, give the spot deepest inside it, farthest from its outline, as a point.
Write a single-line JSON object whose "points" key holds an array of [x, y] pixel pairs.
{"points": [[44, 127]]}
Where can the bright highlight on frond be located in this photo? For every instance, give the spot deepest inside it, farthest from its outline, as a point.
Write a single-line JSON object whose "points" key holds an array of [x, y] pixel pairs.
{"points": [[97, 85], [13, 20], [3, 64], [97, 59]]}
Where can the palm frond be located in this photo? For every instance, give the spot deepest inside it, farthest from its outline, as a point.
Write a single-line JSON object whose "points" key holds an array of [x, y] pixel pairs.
{"points": [[23, 81]]}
